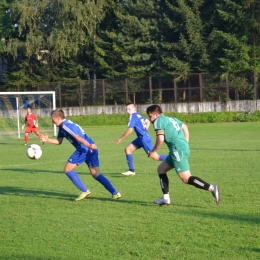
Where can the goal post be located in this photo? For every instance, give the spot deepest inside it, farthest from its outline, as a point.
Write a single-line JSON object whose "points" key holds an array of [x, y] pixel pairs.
{"points": [[13, 109]]}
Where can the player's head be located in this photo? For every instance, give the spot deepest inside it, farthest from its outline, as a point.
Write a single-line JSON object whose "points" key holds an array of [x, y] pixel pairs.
{"points": [[29, 110], [57, 116], [130, 108], [153, 112]]}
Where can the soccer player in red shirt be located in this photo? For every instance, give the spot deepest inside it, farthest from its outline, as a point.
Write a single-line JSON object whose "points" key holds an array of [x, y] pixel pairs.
{"points": [[32, 124]]}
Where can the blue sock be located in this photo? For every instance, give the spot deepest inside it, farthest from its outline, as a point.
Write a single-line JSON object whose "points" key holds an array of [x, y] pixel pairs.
{"points": [[76, 180], [130, 161], [107, 184], [163, 157]]}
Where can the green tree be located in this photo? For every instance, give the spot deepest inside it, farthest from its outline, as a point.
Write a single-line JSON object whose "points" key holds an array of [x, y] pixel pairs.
{"points": [[184, 40], [239, 35], [131, 47]]}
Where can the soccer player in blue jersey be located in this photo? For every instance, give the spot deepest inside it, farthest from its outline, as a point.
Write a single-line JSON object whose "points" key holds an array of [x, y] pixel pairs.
{"points": [[86, 151], [140, 124]]}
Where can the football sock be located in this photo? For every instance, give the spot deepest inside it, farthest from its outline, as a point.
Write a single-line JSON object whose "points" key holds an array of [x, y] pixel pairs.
{"points": [[130, 161], [198, 183], [76, 180], [163, 157], [166, 196], [107, 184], [26, 138], [164, 181]]}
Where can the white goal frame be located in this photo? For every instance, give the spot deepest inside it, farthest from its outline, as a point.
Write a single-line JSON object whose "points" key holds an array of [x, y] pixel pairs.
{"points": [[31, 93]]}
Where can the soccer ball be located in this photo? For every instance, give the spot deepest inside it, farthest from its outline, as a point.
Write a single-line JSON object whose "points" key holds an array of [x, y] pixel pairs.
{"points": [[34, 151]]}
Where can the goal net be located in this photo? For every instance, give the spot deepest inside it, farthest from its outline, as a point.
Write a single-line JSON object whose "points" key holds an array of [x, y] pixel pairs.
{"points": [[13, 110]]}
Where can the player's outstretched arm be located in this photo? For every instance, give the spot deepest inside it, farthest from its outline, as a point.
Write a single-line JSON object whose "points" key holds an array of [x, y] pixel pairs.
{"points": [[127, 133], [46, 139]]}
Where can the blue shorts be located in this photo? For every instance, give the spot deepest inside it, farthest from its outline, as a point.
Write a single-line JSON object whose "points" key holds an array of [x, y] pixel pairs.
{"points": [[146, 144], [81, 155]]}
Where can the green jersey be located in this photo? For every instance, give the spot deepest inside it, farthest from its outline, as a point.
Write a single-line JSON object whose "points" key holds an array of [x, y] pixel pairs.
{"points": [[173, 134]]}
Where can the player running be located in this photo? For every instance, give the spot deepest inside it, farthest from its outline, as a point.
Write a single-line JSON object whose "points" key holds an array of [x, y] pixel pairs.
{"points": [[176, 135], [31, 121], [140, 124], [86, 151]]}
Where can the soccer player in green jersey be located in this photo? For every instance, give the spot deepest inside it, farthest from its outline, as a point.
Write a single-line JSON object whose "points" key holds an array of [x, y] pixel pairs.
{"points": [[176, 136]]}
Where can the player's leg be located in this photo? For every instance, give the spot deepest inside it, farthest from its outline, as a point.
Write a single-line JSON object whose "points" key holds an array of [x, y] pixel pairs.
{"points": [[37, 132], [182, 167], [76, 159], [162, 170], [93, 164], [201, 184], [26, 138], [28, 130], [129, 157]]}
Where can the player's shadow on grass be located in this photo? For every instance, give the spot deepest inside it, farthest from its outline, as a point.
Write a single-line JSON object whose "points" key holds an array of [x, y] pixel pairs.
{"points": [[225, 149], [18, 191], [220, 216], [32, 171]]}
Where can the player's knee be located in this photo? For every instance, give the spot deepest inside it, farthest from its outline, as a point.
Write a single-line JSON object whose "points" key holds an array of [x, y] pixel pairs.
{"points": [[185, 180], [94, 175], [127, 150], [185, 177]]}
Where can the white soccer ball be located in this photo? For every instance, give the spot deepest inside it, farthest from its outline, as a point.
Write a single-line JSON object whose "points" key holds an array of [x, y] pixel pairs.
{"points": [[34, 151]]}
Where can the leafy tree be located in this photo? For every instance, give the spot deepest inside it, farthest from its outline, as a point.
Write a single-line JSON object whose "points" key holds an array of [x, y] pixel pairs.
{"points": [[184, 44], [239, 35], [131, 48]]}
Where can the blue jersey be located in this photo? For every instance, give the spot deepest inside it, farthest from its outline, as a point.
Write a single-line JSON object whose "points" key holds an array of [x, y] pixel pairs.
{"points": [[68, 129], [137, 122]]}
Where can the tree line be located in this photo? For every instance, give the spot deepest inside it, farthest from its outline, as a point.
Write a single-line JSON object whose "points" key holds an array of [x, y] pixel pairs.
{"points": [[63, 40]]}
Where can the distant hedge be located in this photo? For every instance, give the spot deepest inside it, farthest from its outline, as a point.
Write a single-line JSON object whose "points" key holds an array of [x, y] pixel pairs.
{"points": [[208, 117]]}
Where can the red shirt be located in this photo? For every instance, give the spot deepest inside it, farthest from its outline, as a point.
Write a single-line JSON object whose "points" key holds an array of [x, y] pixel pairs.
{"points": [[31, 120]]}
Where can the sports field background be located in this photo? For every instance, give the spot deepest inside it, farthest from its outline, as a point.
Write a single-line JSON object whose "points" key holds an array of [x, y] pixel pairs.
{"points": [[40, 220]]}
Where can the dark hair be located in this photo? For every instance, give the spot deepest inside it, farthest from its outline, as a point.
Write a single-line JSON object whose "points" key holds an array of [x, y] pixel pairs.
{"points": [[58, 113], [28, 107], [154, 108]]}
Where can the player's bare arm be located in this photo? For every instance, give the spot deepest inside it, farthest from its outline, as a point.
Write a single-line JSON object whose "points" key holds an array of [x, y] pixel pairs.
{"points": [[127, 133], [83, 141], [46, 139], [159, 141], [186, 132]]}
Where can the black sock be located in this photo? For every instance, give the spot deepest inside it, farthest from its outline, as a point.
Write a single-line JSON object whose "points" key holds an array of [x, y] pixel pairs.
{"points": [[132, 170], [164, 181], [198, 183]]}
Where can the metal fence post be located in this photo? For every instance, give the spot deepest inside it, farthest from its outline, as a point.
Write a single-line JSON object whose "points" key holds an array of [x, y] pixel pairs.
{"points": [[201, 87], [151, 90], [227, 85], [59, 93], [175, 90], [80, 94], [255, 85], [104, 92], [126, 90]]}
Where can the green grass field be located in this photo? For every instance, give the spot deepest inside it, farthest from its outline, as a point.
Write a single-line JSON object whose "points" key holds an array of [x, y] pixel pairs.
{"points": [[40, 220]]}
